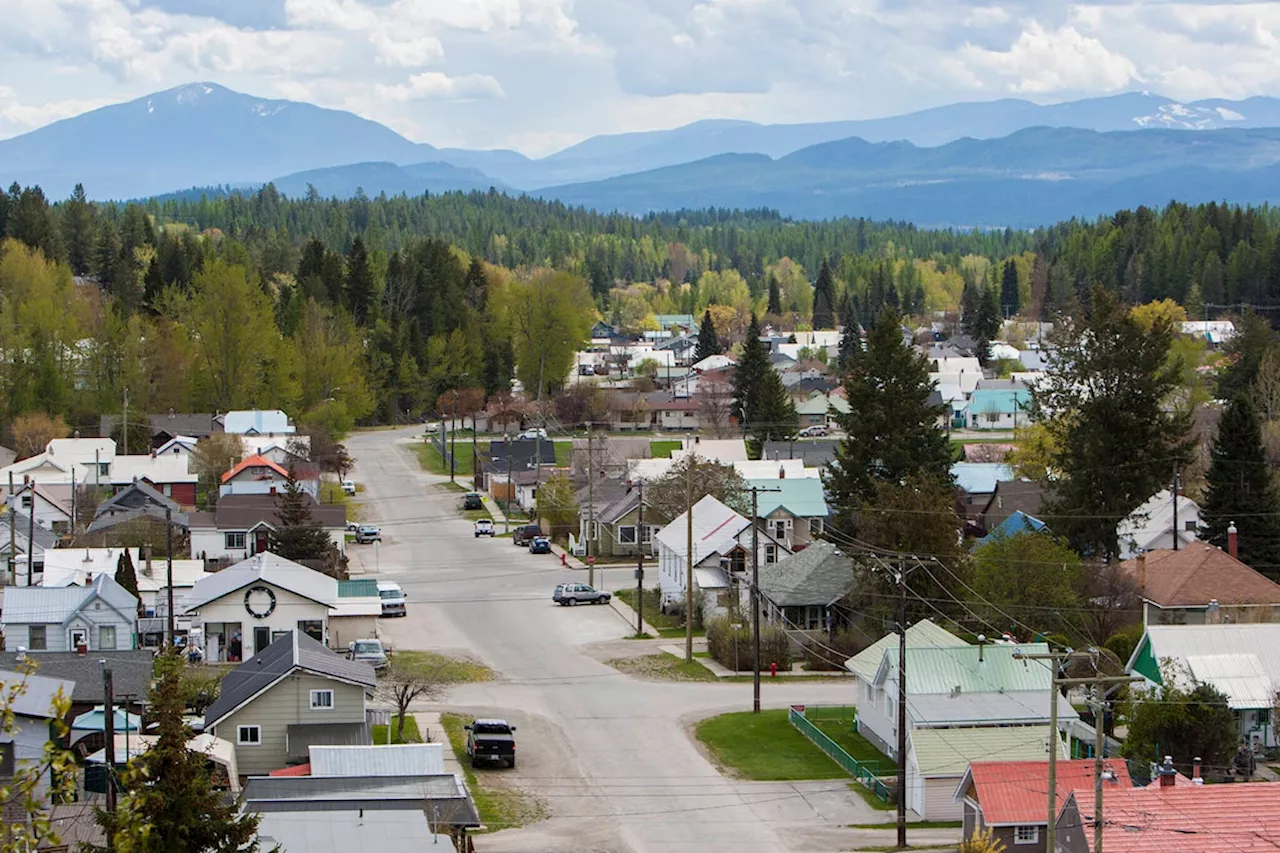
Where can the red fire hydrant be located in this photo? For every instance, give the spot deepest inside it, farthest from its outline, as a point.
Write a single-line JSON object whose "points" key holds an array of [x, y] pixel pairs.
{"points": [[773, 669], [564, 560]]}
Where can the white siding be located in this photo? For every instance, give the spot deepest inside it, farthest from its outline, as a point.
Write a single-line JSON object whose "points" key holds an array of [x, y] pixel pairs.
{"points": [[290, 609]]}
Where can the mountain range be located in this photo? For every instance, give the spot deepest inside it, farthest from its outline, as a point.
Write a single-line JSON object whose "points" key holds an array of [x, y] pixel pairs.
{"points": [[1005, 162]]}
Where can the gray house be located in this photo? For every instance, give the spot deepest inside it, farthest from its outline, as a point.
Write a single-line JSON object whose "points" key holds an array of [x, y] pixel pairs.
{"points": [[799, 593], [131, 671], [101, 616], [42, 536], [287, 698], [32, 715]]}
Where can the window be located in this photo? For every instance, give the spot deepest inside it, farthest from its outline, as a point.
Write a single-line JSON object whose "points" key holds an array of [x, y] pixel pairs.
{"points": [[79, 637], [770, 554], [249, 735], [646, 534], [26, 501], [314, 628], [1026, 835], [322, 700], [627, 534], [235, 541], [815, 526], [813, 619], [36, 638], [1190, 527], [106, 637]]}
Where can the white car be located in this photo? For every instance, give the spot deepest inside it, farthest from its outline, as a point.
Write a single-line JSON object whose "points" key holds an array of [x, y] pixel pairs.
{"points": [[349, 487], [813, 431], [534, 434], [484, 527]]}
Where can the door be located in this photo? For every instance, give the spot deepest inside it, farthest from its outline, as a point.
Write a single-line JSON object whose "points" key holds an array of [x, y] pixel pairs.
{"points": [[80, 637], [261, 542], [262, 639]]}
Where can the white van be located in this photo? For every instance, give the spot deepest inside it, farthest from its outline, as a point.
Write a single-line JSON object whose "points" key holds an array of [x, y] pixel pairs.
{"points": [[392, 598]]}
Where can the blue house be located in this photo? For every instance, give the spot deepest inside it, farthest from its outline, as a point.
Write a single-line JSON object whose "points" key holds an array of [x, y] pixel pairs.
{"points": [[1000, 408], [1018, 522]]}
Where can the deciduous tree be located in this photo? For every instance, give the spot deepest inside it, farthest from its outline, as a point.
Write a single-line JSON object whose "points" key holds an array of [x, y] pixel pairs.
{"points": [[32, 432], [550, 315], [1170, 719], [691, 479], [1026, 570]]}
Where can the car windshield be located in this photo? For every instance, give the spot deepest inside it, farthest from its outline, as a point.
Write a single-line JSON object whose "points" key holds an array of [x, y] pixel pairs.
{"points": [[368, 648], [491, 729], [390, 593]]}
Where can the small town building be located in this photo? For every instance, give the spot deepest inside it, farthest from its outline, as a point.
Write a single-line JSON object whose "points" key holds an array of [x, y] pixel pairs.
{"points": [[33, 713], [258, 422], [800, 593], [1200, 584], [99, 616], [793, 510], [242, 525], [1000, 409], [1157, 524]]}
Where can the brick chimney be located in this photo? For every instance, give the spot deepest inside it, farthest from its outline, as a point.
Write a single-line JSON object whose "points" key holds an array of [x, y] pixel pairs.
{"points": [[1233, 540], [782, 472], [1196, 779], [1142, 573], [1168, 775]]}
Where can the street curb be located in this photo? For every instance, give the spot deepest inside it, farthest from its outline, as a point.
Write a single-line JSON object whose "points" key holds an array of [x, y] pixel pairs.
{"points": [[629, 614]]}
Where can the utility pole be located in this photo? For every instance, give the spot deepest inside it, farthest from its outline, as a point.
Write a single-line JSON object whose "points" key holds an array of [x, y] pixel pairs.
{"points": [[125, 426], [640, 568], [168, 532], [13, 553], [755, 596], [591, 508], [1176, 535], [902, 706], [453, 436], [109, 730], [31, 534], [475, 456], [688, 565], [511, 487]]}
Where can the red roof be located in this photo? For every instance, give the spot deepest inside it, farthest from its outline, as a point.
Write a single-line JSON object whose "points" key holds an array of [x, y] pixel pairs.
{"points": [[1017, 792], [1187, 819], [254, 461], [296, 770]]}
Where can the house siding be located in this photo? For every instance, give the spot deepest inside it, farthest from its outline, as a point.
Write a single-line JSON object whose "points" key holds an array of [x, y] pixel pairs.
{"points": [[290, 609], [939, 799], [58, 635], [287, 703]]}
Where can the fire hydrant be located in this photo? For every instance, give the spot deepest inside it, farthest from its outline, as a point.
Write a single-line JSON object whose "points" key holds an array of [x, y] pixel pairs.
{"points": [[773, 669], [564, 559]]}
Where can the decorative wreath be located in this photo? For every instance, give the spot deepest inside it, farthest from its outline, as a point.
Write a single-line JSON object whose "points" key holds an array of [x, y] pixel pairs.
{"points": [[270, 607]]}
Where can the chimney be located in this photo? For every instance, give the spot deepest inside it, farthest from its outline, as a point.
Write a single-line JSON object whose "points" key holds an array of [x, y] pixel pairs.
{"points": [[147, 554], [1142, 573], [1196, 779], [1168, 775], [982, 642], [1214, 615], [1233, 540], [782, 472]]}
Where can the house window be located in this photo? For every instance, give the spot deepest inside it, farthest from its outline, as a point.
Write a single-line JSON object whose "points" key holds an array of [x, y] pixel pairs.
{"points": [[627, 534], [168, 490], [36, 638], [235, 541], [1190, 527], [26, 501], [781, 527], [313, 628], [106, 637], [322, 700], [1026, 835], [79, 637], [770, 554], [6, 759], [815, 526], [813, 617], [738, 561], [646, 534], [248, 735]]}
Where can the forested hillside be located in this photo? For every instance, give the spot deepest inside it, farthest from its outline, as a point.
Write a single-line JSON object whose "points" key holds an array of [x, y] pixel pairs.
{"points": [[370, 309]]}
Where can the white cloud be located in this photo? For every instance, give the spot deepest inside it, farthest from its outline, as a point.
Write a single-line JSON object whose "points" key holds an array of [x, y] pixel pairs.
{"points": [[1042, 62], [437, 86], [17, 117], [408, 53]]}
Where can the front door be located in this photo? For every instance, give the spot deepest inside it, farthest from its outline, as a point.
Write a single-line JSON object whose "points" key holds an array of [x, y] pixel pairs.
{"points": [[261, 542], [262, 639]]}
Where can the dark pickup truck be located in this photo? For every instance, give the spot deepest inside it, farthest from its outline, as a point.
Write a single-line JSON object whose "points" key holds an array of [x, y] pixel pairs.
{"points": [[491, 740]]}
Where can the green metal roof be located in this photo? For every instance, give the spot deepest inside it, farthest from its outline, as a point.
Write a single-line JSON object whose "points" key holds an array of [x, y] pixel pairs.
{"points": [[802, 497], [820, 404], [990, 668], [947, 752], [358, 589], [922, 634]]}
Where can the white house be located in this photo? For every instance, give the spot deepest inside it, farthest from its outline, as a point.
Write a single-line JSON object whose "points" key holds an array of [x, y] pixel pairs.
{"points": [[82, 566], [242, 525], [258, 475], [51, 511], [1151, 527], [246, 607], [33, 716], [721, 552], [94, 462], [100, 616], [179, 445], [712, 362], [257, 422]]}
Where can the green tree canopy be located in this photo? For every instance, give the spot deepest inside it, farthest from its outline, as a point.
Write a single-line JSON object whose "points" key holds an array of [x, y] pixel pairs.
{"points": [[1171, 719], [299, 535], [824, 299], [1027, 570], [749, 375], [1241, 489], [708, 343]]}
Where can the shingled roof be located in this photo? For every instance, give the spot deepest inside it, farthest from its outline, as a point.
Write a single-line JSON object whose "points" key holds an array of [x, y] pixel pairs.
{"points": [[1195, 575], [818, 575]]}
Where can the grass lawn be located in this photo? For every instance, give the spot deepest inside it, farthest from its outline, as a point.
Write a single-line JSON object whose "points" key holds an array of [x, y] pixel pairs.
{"points": [[411, 733], [764, 747], [564, 456], [662, 667], [442, 667], [837, 724], [663, 450], [500, 808], [431, 460], [668, 626]]}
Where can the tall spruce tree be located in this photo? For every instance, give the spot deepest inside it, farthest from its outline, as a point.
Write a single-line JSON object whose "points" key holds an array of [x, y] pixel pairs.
{"points": [[127, 577], [708, 343], [988, 324], [891, 430], [773, 415], [824, 299], [775, 297], [359, 282], [850, 338], [77, 231], [299, 536], [1241, 489], [168, 802], [749, 374], [970, 304], [1010, 299]]}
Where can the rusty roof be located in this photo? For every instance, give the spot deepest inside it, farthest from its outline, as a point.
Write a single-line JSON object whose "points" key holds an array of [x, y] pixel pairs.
{"points": [[1188, 819]]}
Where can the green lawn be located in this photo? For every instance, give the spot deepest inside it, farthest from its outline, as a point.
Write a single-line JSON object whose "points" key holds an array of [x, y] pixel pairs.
{"points": [[499, 808], [662, 667], [431, 460], [442, 667], [663, 449], [564, 453], [668, 626], [411, 733], [765, 747], [837, 724]]}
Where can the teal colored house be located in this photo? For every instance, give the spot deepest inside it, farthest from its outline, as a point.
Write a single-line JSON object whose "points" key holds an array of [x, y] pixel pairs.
{"points": [[794, 509], [997, 408]]}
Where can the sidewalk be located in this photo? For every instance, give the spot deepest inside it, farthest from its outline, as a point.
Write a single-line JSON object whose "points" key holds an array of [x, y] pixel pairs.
{"points": [[499, 517], [700, 645], [627, 612], [433, 732]]}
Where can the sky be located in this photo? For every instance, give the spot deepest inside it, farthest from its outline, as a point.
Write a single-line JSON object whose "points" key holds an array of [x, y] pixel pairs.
{"points": [[539, 75]]}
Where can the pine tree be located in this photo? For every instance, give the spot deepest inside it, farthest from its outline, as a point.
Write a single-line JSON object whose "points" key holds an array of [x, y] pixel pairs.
{"points": [[359, 282], [105, 253], [30, 221], [77, 231], [773, 416], [127, 577], [775, 297], [824, 299], [1241, 489], [747, 376], [988, 324], [850, 339], [299, 536], [708, 343], [1010, 299], [476, 285], [168, 802], [970, 302]]}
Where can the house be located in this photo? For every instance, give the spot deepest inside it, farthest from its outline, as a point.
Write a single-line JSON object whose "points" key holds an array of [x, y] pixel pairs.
{"points": [[1199, 585], [1216, 332], [168, 426], [69, 462], [292, 694], [287, 451], [81, 566], [713, 363], [100, 616], [246, 607], [1017, 523], [721, 550], [1012, 496], [944, 358], [138, 496], [131, 673], [258, 422], [179, 445], [975, 484], [997, 409], [356, 613], [51, 510], [1157, 523], [939, 757], [1010, 797], [220, 754], [793, 510], [820, 409], [1238, 660], [257, 475], [617, 531], [241, 526], [32, 726], [681, 347], [524, 453], [28, 539], [799, 593], [722, 450]]}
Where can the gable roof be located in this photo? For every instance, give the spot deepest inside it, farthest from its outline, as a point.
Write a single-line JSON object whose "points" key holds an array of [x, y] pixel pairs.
{"points": [[294, 651], [43, 536], [987, 668], [40, 605], [948, 752], [715, 530], [803, 497], [1019, 522], [243, 512], [820, 574], [410, 759], [79, 566], [1154, 518], [980, 477], [265, 567], [37, 699], [1001, 401], [257, 421], [922, 634], [1014, 793], [1236, 658], [41, 492], [137, 495], [1012, 496], [255, 461], [1194, 575]]}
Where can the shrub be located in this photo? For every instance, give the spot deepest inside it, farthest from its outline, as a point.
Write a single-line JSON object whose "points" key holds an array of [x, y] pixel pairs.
{"points": [[830, 654], [775, 645], [982, 841], [1124, 641]]}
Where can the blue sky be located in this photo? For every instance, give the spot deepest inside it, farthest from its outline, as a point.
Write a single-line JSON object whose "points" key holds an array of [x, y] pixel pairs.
{"points": [[537, 75]]}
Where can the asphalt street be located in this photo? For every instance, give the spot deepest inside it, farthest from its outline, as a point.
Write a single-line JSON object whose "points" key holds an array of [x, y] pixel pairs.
{"points": [[610, 755]]}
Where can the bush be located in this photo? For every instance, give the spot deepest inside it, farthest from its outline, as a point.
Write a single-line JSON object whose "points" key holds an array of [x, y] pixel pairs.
{"points": [[831, 654], [775, 645], [1124, 641]]}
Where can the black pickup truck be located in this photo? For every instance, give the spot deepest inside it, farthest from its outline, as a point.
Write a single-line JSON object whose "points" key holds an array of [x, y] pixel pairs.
{"points": [[491, 740]]}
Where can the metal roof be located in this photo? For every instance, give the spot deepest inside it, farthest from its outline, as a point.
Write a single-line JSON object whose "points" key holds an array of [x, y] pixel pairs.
{"points": [[37, 699], [989, 668], [257, 420], [980, 477], [410, 759], [297, 791], [268, 568], [39, 605], [1186, 819], [866, 663], [1015, 793], [362, 588], [715, 530], [131, 670], [820, 574], [1021, 707], [350, 831], [302, 737], [1235, 659], [948, 752], [802, 497]]}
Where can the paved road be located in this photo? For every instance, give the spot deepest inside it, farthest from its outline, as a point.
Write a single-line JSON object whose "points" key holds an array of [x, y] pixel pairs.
{"points": [[609, 754]]}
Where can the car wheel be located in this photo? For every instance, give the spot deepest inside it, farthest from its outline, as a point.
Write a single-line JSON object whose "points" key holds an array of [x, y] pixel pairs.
{"points": [[512, 764], [573, 601]]}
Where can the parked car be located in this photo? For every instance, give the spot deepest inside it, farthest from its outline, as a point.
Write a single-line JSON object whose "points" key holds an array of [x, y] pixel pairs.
{"points": [[432, 429], [539, 545], [472, 500], [353, 526], [349, 487], [523, 534], [538, 432], [813, 431], [484, 527], [568, 594], [393, 599], [491, 740], [367, 533], [370, 651]]}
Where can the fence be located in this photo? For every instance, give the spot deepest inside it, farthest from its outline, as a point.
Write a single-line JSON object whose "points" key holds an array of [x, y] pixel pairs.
{"points": [[864, 772]]}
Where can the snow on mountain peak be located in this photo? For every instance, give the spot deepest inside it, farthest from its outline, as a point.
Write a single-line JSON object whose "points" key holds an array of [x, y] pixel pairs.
{"points": [[1175, 116]]}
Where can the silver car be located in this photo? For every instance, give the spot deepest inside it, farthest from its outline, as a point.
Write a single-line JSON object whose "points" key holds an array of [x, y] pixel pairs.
{"points": [[569, 594]]}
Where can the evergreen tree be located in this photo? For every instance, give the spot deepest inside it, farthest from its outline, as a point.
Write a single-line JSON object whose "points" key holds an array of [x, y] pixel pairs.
{"points": [[773, 416], [1241, 489], [359, 282], [127, 577], [1253, 340], [77, 231], [299, 536], [168, 802], [775, 297], [892, 432], [824, 299], [152, 283], [476, 285], [1010, 299], [970, 303], [749, 374], [105, 254], [850, 339], [708, 343], [29, 221]]}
